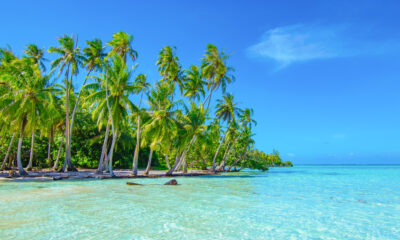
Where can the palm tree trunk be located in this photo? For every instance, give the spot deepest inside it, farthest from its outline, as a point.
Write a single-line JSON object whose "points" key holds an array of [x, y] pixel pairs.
{"points": [[205, 100], [49, 147], [29, 167], [21, 136], [178, 164], [112, 129], [219, 147], [68, 161], [71, 167], [222, 165], [59, 152], [177, 159], [167, 161], [76, 107], [67, 131], [181, 160], [77, 102], [185, 166], [149, 163], [110, 154], [136, 155], [104, 149], [3, 165]]}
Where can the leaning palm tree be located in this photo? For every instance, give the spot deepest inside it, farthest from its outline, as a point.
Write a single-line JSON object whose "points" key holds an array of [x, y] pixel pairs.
{"points": [[94, 56], [226, 111], [37, 54], [142, 85], [122, 45], [193, 124], [162, 125], [69, 61], [215, 70], [111, 94]]}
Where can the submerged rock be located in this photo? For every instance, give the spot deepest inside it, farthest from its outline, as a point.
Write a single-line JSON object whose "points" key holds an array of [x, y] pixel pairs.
{"points": [[132, 183], [171, 182]]}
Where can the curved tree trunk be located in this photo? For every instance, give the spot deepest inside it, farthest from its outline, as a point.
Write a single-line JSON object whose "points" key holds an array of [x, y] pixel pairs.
{"points": [[19, 164], [71, 166], [177, 159], [59, 152], [68, 161], [219, 147], [136, 156], [181, 160], [103, 150], [149, 163], [207, 98], [29, 167], [3, 165], [222, 165], [167, 161], [110, 154]]}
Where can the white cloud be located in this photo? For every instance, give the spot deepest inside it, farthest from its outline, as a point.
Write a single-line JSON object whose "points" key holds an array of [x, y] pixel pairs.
{"points": [[291, 154], [298, 43]]}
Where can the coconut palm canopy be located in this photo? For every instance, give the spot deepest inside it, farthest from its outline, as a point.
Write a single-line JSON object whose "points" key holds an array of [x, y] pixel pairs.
{"points": [[169, 125]]}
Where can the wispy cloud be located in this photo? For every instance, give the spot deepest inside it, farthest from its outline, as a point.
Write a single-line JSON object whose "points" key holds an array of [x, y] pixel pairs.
{"points": [[298, 43]]}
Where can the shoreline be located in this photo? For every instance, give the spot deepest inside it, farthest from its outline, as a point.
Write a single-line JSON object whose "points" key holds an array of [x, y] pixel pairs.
{"points": [[51, 175]]}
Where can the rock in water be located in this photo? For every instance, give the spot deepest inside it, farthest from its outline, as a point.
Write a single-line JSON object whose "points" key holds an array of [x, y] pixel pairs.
{"points": [[171, 182], [132, 183]]}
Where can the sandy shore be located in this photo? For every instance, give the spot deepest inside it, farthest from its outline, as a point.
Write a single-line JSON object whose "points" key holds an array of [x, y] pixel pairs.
{"points": [[49, 175]]}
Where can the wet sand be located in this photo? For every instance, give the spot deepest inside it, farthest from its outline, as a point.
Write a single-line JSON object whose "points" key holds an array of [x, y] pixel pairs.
{"points": [[51, 175]]}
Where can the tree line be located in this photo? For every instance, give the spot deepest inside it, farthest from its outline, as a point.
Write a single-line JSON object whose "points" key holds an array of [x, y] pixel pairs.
{"points": [[46, 122]]}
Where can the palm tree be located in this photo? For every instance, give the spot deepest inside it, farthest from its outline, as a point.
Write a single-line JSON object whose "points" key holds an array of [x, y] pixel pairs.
{"points": [[169, 67], [142, 85], [94, 55], [112, 95], [122, 45], [3, 165], [54, 119], [194, 85], [162, 125], [246, 117], [70, 61], [246, 120], [226, 111], [215, 70], [24, 105], [37, 54], [193, 124]]}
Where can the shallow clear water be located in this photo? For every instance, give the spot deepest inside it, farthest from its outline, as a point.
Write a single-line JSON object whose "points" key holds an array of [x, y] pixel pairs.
{"points": [[303, 202]]}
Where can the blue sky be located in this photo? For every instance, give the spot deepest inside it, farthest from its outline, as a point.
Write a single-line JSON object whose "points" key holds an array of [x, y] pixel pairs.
{"points": [[323, 77]]}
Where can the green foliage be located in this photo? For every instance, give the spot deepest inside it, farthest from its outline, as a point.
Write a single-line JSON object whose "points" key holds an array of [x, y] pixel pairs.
{"points": [[177, 126]]}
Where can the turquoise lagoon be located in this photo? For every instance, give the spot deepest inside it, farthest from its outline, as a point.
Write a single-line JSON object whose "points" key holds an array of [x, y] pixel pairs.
{"points": [[303, 202]]}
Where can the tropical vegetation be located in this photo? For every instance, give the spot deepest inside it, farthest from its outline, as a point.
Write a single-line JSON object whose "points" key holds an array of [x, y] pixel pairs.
{"points": [[118, 118]]}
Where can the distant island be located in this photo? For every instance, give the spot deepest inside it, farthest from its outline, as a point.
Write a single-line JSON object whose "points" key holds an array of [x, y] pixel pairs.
{"points": [[116, 118]]}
